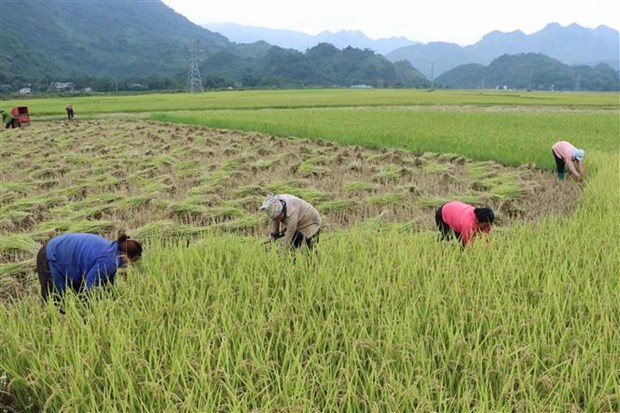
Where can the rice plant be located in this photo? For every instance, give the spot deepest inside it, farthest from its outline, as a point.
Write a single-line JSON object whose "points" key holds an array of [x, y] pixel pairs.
{"points": [[357, 186], [18, 243], [387, 199]]}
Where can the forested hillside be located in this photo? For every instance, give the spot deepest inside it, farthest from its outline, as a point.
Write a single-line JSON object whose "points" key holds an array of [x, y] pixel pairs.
{"points": [[531, 71], [107, 45], [100, 45], [59, 40], [324, 65]]}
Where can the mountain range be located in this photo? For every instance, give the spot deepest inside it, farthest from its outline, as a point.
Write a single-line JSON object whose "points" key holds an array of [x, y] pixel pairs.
{"points": [[144, 45], [290, 39], [572, 45], [136, 45]]}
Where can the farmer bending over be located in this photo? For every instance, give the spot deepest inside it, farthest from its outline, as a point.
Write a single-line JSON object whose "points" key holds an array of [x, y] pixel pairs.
{"points": [[8, 119], [463, 221], [566, 153], [82, 262], [293, 219]]}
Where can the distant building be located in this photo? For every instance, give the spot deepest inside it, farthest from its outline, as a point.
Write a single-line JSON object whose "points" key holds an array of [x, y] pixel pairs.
{"points": [[25, 91], [361, 87], [62, 86]]}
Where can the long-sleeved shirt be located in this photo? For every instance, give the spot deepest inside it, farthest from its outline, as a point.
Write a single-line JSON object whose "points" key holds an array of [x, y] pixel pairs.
{"points": [[461, 219], [564, 150], [82, 258], [300, 216], [6, 116]]}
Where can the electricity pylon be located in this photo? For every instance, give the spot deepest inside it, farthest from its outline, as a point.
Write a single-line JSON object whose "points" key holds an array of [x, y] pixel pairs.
{"points": [[195, 82]]}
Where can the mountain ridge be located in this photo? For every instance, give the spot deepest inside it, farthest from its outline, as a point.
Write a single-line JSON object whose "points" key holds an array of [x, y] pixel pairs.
{"points": [[572, 44], [291, 39], [104, 46], [147, 46]]}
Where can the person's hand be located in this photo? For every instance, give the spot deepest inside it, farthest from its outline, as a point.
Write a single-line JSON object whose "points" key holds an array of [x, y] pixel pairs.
{"points": [[276, 234]]}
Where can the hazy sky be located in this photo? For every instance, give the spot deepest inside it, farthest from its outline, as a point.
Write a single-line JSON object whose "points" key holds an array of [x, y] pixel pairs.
{"points": [[456, 21]]}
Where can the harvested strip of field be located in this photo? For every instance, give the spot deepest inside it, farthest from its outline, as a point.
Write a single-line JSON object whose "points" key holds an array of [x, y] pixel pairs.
{"points": [[155, 178]]}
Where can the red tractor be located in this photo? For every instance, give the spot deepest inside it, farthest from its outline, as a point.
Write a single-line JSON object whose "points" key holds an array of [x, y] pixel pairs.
{"points": [[20, 113], [18, 117]]}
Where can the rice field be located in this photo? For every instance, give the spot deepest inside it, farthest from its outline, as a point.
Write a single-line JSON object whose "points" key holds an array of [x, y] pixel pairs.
{"points": [[383, 318]]}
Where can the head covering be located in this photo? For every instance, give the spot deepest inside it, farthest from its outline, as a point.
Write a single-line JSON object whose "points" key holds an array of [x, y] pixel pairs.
{"points": [[272, 206], [579, 154]]}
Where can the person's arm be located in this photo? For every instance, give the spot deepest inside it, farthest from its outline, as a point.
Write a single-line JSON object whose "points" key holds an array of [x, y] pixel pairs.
{"points": [[292, 221], [100, 273], [572, 169], [582, 168], [275, 229], [466, 237]]}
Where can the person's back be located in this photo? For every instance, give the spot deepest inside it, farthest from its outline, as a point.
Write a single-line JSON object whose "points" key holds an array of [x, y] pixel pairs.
{"points": [[563, 150], [87, 258], [459, 216], [307, 217], [463, 220]]}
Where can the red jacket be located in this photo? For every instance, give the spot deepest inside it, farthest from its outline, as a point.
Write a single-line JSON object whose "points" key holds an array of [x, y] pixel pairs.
{"points": [[461, 218]]}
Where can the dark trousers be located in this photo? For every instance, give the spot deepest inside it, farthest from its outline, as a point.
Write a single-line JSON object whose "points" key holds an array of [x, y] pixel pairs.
{"points": [[559, 163], [45, 275], [47, 283], [299, 240], [446, 231], [11, 124], [69, 113]]}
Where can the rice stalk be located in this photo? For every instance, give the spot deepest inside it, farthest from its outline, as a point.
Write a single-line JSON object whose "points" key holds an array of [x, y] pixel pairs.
{"points": [[18, 243], [357, 186], [387, 199]]}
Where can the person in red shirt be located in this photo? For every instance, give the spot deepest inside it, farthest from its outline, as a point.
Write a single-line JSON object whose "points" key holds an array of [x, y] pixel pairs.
{"points": [[463, 221]]}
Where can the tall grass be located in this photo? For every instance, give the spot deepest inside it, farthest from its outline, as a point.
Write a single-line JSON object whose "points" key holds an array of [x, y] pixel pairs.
{"points": [[383, 318], [377, 321], [512, 137]]}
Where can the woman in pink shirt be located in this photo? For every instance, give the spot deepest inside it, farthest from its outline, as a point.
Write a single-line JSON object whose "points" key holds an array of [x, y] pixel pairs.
{"points": [[566, 154], [463, 221]]}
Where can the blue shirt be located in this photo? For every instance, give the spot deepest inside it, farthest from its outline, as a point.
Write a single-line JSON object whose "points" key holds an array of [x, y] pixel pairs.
{"points": [[82, 259]]}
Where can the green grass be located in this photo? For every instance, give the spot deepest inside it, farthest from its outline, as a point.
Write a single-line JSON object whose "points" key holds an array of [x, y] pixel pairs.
{"points": [[512, 138], [88, 106]]}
